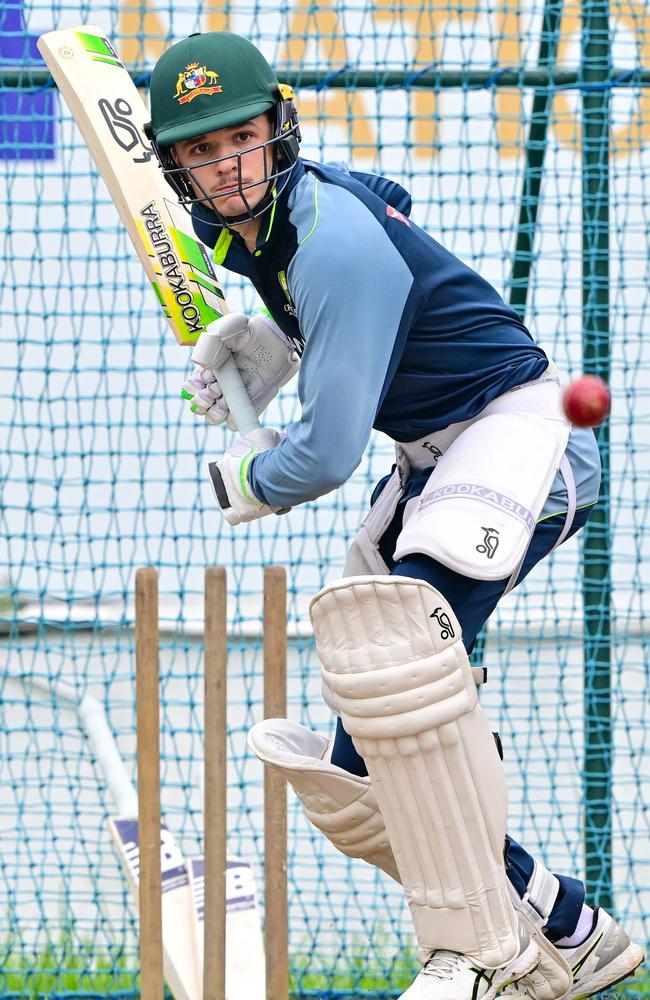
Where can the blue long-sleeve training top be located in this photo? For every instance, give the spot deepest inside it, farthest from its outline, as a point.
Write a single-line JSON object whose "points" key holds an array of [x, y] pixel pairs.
{"points": [[396, 332]]}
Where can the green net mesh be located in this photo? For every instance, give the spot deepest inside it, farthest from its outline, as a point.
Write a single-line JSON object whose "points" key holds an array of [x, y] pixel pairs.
{"points": [[521, 132]]}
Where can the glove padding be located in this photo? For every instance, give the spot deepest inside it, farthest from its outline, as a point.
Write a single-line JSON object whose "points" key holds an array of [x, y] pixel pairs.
{"points": [[264, 356], [229, 477]]}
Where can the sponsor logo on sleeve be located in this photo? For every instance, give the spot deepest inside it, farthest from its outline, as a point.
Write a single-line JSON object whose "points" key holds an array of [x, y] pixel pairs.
{"points": [[394, 214]]}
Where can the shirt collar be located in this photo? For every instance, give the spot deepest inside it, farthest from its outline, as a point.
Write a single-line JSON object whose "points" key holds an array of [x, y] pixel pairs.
{"points": [[273, 221]]}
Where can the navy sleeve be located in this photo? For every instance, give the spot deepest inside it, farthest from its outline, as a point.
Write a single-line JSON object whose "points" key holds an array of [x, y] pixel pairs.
{"points": [[389, 191]]}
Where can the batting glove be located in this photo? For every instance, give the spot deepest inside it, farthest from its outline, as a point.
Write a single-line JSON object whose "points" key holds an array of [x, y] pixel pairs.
{"points": [[264, 356], [229, 477]]}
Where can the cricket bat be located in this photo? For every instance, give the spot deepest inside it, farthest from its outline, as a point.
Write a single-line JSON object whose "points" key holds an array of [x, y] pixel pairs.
{"points": [[182, 880], [110, 114], [245, 967], [180, 947], [181, 960]]}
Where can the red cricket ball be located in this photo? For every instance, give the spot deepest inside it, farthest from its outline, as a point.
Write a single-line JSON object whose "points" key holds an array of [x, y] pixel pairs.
{"points": [[586, 401]]}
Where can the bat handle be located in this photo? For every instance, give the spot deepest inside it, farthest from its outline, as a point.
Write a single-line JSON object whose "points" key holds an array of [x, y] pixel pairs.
{"points": [[242, 412], [238, 400]]}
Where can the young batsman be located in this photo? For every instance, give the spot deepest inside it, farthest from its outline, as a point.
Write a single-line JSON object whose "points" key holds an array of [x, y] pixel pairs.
{"points": [[395, 333]]}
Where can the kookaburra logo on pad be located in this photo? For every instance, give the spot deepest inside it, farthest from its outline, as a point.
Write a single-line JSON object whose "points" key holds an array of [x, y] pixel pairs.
{"points": [[490, 542], [444, 623]]}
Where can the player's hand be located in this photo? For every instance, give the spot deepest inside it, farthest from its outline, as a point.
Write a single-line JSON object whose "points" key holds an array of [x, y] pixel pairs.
{"points": [[264, 356], [229, 476]]}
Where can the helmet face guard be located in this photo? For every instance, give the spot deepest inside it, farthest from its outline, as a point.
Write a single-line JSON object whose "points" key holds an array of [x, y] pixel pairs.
{"points": [[280, 152]]}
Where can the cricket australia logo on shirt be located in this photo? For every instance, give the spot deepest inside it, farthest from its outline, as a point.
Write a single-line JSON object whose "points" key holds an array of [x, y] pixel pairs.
{"points": [[192, 82], [289, 305]]}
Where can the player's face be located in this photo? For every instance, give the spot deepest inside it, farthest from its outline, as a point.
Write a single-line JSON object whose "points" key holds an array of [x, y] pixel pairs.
{"points": [[240, 162]]}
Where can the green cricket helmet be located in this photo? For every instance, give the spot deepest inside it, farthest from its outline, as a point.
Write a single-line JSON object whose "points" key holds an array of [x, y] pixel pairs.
{"points": [[217, 80]]}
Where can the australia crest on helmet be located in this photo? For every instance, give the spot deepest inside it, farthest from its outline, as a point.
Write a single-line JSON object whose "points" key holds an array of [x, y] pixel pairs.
{"points": [[195, 80]]}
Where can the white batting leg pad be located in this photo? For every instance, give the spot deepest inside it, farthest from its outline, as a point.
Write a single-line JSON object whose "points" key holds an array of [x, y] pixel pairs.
{"points": [[392, 653], [339, 804]]}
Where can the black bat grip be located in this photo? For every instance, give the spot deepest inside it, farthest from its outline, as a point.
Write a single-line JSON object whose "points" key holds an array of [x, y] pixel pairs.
{"points": [[218, 485], [219, 488]]}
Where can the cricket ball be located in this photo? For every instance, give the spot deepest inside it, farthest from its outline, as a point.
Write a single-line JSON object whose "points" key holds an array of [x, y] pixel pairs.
{"points": [[586, 401]]}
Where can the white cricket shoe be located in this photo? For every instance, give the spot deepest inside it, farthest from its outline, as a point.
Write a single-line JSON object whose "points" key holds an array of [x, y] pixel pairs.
{"points": [[604, 958], [449, 976]]}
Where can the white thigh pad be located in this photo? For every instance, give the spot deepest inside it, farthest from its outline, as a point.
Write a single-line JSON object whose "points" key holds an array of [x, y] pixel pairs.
{"points": [[478, 510], [363, 555], [391, 651], [339, 804]]}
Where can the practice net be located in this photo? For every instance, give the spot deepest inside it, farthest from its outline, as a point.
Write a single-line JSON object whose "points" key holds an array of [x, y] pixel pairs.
{"points": [[476, 108]]}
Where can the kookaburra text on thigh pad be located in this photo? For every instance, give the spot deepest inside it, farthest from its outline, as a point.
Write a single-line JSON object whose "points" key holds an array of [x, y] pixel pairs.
{"points": [[478, 510]]}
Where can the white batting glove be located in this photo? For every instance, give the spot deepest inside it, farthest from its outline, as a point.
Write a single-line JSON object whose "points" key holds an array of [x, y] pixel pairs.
{"points": [[204, 394], [229, 477], [264, 356]]}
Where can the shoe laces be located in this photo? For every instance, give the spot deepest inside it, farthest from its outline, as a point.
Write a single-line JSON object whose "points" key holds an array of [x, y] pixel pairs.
{"points": [[442, 964]]}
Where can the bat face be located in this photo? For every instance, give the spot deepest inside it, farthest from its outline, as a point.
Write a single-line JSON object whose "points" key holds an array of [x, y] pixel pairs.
{"points": [[181, 956], [172, 864], [110, 114], [245, 963]]}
